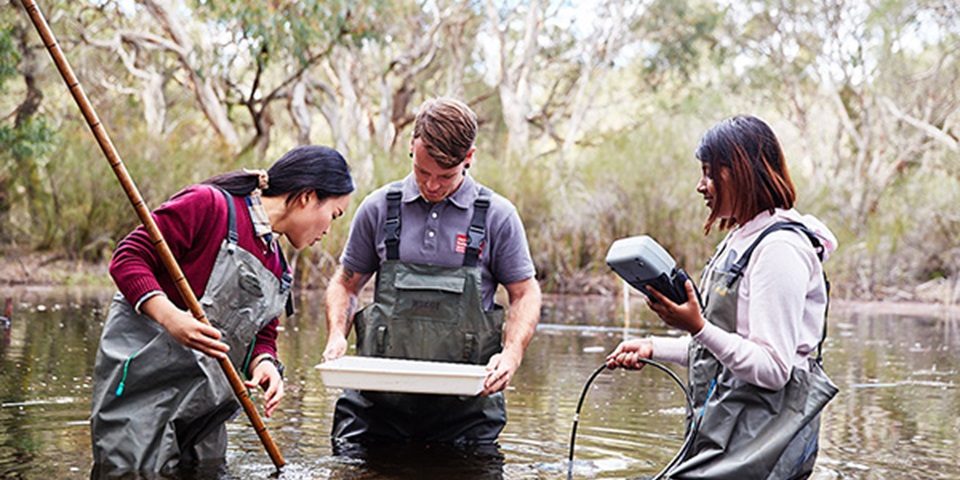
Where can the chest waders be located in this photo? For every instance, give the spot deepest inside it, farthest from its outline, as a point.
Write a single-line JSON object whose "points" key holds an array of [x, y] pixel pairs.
{"points": [[425, 312], [747, 431], [159, 406]]}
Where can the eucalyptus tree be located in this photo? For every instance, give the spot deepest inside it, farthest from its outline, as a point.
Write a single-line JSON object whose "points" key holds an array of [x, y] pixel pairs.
{"points": [[551, 62], [872, 87]]}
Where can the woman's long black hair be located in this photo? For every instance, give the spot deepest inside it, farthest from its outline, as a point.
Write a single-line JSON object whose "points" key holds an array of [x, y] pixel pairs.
{"points": [[304, 169]]}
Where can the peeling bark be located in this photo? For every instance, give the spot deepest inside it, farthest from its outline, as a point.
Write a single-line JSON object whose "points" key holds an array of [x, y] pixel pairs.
{"points": [[202, 86], [299, 111], [512, 74]]}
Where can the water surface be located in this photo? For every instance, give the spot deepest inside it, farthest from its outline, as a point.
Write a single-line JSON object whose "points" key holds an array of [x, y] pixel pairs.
{"points": [[896, 416]]}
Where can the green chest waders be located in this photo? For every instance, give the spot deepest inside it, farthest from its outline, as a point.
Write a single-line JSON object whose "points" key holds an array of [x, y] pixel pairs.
{"points": [[425, 312], [747, 431], [159, 406]]}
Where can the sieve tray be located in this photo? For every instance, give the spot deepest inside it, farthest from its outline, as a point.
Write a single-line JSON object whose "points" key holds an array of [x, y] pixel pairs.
{"points": [[397, 375]]}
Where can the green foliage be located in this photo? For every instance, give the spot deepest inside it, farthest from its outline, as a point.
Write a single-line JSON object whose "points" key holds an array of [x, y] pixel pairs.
{"points": [[9, 57], [22, 169], [74, 204], [638, 183], [302, 29], [915, 237], [864, 99], [679, 33], [21, 144]]}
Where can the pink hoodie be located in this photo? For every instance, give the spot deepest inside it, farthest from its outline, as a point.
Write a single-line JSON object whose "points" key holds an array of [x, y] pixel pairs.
{"points": [[780, 308]]}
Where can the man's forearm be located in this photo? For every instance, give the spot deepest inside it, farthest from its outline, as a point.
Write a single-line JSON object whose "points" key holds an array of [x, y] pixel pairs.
{"points": [[342, 299], [341, 304], [522, 317]]}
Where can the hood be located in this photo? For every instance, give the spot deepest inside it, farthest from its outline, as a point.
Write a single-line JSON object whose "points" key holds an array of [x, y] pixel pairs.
{"points": [[827, 238]]}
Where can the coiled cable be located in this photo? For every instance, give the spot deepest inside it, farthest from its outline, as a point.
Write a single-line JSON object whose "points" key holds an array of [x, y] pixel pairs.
{"points": [[691, 432]]}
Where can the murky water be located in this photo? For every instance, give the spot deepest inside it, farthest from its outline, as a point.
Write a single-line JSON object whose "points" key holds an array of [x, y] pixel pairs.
{"points": [[897, 415]]}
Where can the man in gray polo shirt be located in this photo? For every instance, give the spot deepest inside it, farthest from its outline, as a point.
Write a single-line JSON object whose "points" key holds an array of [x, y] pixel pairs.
{"points": [[440, 244]]}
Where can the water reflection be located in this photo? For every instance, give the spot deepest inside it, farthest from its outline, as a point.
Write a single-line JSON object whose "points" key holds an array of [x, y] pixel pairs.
{"points": [[897, 415]]}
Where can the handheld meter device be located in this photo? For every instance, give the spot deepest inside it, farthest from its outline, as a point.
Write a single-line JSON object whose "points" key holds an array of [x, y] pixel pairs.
{"points": [[641, 261]]}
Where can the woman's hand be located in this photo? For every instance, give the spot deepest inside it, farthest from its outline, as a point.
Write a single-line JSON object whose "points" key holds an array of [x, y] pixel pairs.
{"points": [[685, 317], [185, 329], [627, 353], [266, 376]]}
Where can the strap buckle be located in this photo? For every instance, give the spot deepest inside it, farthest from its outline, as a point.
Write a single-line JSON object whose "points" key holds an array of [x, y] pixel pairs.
{"points": [[392, 229], [475, 236]]}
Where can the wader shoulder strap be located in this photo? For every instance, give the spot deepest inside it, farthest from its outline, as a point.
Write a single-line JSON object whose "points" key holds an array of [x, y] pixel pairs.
{"points": [[475, 234], [737, 270], [286, 282], [392, 227], [232, 236], [478, 228]]}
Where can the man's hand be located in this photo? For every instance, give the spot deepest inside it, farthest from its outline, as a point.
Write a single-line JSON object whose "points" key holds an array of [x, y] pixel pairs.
{"points": [[336, 348], [501, 366], [522, 317], [340, 304]]}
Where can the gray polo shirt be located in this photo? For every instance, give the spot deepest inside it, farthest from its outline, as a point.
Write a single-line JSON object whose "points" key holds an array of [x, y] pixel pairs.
{"points": [[435, 234]]}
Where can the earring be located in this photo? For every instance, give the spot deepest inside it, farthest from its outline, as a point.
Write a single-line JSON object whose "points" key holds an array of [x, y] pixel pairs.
{"points": [[411, 154]]}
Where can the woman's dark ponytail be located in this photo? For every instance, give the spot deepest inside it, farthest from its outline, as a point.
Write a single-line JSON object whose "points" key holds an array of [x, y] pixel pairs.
{"points": [[303, 169], [239, 183]]}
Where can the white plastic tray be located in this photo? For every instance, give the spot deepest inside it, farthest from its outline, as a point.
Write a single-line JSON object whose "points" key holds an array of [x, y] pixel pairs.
{"points": [[395, 375]]}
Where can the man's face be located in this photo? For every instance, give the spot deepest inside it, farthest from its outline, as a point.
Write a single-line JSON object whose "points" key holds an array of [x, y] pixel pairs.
{"points": [[435, 181]]}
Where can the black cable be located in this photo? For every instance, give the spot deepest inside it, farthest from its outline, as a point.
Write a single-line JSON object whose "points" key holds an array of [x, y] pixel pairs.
{"points": [[576, 418], [583, 395]]}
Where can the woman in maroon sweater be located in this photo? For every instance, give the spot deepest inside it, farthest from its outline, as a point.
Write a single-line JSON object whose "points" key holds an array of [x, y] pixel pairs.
{"points": [[160, 400]]}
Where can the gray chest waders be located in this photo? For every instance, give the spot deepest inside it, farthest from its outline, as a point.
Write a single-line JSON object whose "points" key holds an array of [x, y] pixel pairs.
{"points": [[425, 312], [747, 431], [158, 404]]}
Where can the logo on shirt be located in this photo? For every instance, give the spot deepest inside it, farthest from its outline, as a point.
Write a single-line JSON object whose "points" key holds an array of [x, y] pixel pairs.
{"points": [[462, 245]]}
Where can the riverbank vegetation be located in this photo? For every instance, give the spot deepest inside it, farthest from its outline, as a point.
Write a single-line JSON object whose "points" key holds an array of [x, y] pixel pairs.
{"points": [[589, 117]]}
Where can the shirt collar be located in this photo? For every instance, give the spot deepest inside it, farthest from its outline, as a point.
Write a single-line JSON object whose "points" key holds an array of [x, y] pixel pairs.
{"points": [[260, 220], [462, 198]]}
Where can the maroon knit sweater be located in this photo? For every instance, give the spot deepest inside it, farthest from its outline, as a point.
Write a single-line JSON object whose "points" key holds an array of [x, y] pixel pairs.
{"points": [[193, 223]]}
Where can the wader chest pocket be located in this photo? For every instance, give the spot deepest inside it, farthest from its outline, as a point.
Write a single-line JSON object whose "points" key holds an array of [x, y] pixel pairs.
{"points": [[429, 297], [248, 281], [415, 281]]}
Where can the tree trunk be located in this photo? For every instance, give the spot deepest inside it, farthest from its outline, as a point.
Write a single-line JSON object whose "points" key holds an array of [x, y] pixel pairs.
{"points": [[202, 86], [512, 77], [25, 166], [299, 112]]}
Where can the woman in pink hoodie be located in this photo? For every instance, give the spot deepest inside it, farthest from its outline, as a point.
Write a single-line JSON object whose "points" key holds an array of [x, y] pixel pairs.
{"points": [[753, 349]]}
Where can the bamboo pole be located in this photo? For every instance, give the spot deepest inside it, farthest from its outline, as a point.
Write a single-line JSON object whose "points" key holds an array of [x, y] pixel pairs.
{"points": [[166, 256]]}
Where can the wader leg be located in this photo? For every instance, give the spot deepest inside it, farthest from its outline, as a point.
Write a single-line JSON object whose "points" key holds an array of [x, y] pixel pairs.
{"points": [[803, 450], [357, 420], [379, 418], [210, 449]]}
